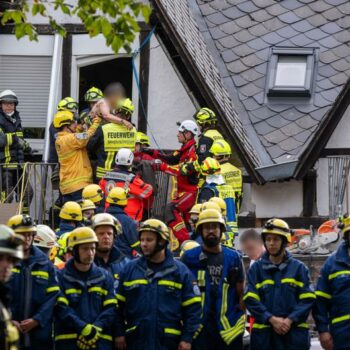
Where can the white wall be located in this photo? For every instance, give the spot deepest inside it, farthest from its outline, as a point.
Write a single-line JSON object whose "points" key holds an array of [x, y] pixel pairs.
{"points": [[168, 101], [341, 135], [281, 199], [322, 199]]}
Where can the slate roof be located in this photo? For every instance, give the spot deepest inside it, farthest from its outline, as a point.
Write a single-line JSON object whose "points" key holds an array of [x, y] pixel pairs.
{"points": [[230, 42]]}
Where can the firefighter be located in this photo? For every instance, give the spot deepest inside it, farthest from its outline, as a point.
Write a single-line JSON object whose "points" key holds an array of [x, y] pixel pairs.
{"points": [[207, 121], [64, 252], [71, 217], [278, 294], [92, 96], [221, 151], [111, 137], [46, 240], [332, 310], [12, 147], [194, 213], [75, 167], [34, 282], [215, 186], [128, 242], [188, 245], [142, 142], [108, 256], [121, 176], [11, 252], [220, 276], [94, 193], [88, 209], [87, 304], [159, 303], [180, 164]]}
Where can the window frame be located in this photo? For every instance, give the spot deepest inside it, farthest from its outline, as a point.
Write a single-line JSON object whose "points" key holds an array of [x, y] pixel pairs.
{"points": [[291, 91]]}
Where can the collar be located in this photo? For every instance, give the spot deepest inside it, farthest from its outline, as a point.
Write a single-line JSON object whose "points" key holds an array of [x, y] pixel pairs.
{"points": [[188, 145], [268, 265], [168, 264]]}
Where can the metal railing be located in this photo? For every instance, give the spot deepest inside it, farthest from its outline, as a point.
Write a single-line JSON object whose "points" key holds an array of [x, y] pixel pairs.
{"points": [[33, 188]]}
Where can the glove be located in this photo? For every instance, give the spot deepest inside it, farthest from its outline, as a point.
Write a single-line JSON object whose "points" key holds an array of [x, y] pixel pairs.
{"points": [[88, 336], [156, 164], [83, 345], [148, 151]]}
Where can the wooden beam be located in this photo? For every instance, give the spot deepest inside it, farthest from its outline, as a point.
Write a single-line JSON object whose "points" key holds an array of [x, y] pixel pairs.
{"points": [[144, 81], [335, 152], [66, 65], [309, 193]]}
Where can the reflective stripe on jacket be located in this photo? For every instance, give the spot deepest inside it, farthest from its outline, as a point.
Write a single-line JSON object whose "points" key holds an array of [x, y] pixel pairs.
{"points": [[230, 318], [332, 308], [82, 302], [283, 291], [157, 310]]}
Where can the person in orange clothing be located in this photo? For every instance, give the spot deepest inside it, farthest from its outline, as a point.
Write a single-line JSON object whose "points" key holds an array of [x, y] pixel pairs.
{"points": [[180, 164], [121, 176], [75, 167]]}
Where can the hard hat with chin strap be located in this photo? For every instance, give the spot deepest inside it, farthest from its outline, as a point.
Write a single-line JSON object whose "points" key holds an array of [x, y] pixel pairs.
{"points": [[87, 204], [220, 148], [277, 227], [221, 203], [71, 211], [105, 219], [196, 209], [22, 223], [93, 95], [93, 193], [63, 118], [210, 216], [82, 235], [117, 196], [45, 237], [210, 166], [124, 157], [205, 116], [143, 139], [188, 125], [157, 226], [68, 104]]}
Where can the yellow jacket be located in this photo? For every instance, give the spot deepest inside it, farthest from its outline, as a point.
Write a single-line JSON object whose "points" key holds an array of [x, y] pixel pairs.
{"points": [[75, 167]]}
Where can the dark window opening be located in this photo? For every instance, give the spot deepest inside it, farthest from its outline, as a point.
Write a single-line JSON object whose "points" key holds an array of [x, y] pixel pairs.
{"points": [[291, 72], [101, 74]]}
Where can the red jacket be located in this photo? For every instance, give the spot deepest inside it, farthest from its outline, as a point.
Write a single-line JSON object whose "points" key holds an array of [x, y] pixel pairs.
{"points": [[174, 164], [138, 190]]}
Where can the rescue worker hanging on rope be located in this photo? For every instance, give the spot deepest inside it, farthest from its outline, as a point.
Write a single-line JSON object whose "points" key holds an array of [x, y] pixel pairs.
{"points": [[278, 294], [111, 137], [180, 165]]}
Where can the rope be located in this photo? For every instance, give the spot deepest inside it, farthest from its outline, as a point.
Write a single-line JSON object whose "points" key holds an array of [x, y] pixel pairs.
{"points": [[136, 76]]}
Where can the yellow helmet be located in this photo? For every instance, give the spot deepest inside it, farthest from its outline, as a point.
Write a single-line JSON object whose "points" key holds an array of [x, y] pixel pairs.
{"points": [[93, 95], [68, 104], [210, 216], [71, 211], [125, 106], [87, 204], [63, 242], [196, 209], [82, 235], [210, 166], [205, 116], [22, 223], [211, 205], [62, 118], [156, 226], [221, 148], [11, 243], [277, 227], [93, 192], [117, 196], [221, 203], [105, 219], [344, 224], [143, 139], [188, 245]]}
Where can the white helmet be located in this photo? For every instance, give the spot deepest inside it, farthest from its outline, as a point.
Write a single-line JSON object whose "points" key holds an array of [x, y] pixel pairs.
{"points": [[8, 96], [45, 237], [189, 125], [124, 157]]}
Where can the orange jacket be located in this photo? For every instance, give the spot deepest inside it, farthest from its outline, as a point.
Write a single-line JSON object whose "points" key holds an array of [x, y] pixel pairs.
{"points": [[75, 167]]}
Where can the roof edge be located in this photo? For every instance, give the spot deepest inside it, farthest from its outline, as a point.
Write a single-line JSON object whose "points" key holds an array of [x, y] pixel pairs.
{"points": [[275, 172]]}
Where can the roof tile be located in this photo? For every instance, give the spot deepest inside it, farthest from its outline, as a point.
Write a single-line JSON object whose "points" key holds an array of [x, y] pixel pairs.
{"points": [[343, 36], [326, 71], [331, 28], [342, 51], [233, 13], [263, 113], [251, 60], [333, 14], [320, 101], [272, 38], [219, 5], [257, 44], [277, 121], [243, 50], [243, 36], [251, 75], [238, 80], [330, 95], [291, 129], [236, 67], [302, 26], [275, 151], [260, 97], [291, 114], [273, 24], [317, 20], [344, 22], [318, 114], [287, 32], [291, 4], [301, 40], [229, 27], [289, 17], [262, 128], [341, 65], [245, 22], [345, 8], [263, 3], [229, 56], [320, 6], [217, 18], [303, 136], [275, 137], [250, 90], [229, 41], [250, 104], [260, 16], [290, 144], [304, 12], [276, 10], [335, 2], [207, 9], [329, 42], [306, 122], [258, 30], [316, 34], [325, 84], [216, 33], [328, 57], [247, 7]]}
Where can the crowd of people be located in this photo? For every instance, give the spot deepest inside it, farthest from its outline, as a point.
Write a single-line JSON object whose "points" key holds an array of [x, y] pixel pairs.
{"points": [[114, 277]]}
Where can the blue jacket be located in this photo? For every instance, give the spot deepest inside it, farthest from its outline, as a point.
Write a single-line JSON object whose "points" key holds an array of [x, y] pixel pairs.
{"points": [[82, 302], [115, 264], [282, 291], [64, 227], [332, 308], [35, 288], [230, 319], [128, 241], [157, 310]]}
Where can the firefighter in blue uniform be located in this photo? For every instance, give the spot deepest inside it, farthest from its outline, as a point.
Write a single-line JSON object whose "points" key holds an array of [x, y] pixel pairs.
{"points": [[278, 294], [87, 305], [35, 290], [332, 307], [159, 302], [71, 217], [220, 276]]}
